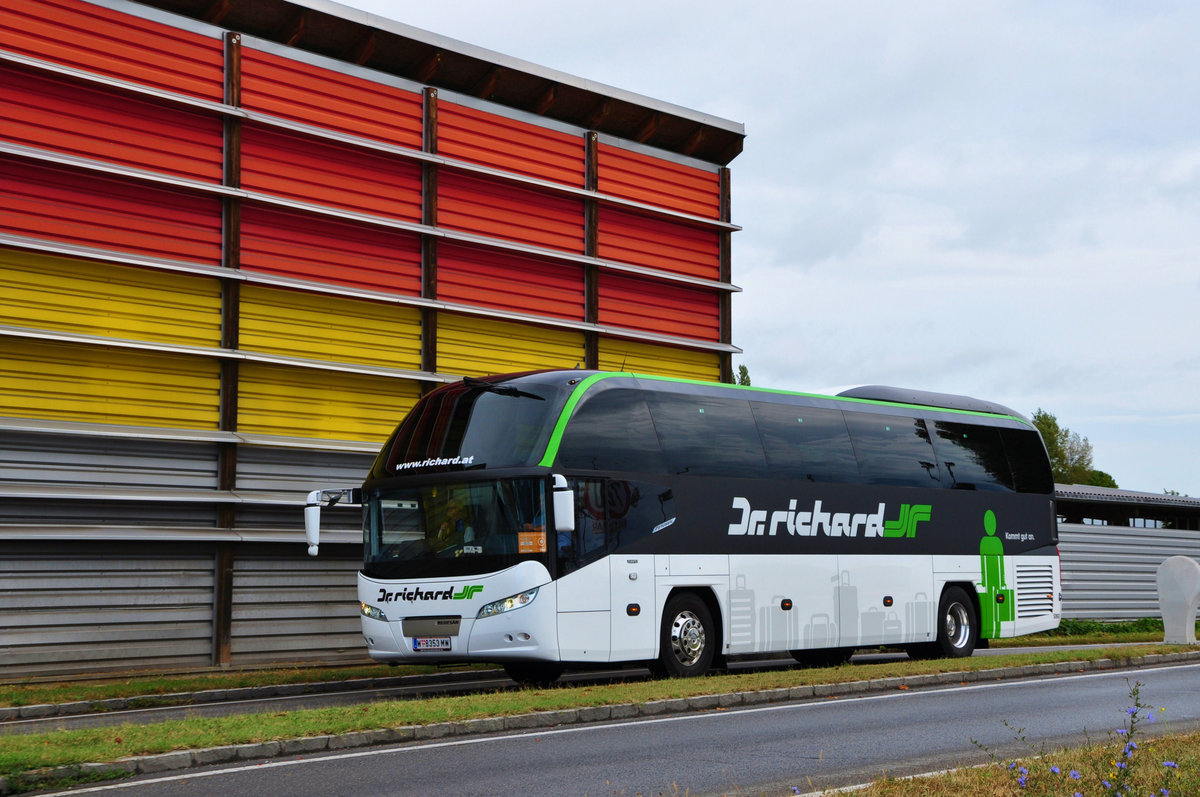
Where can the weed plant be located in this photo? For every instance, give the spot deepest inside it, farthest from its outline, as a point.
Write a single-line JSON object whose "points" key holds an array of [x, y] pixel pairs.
{"points": [[1127, 764]]}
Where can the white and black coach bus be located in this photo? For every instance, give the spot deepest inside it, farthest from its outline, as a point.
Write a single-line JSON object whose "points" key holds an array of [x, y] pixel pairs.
{"points": [[578, 517]]}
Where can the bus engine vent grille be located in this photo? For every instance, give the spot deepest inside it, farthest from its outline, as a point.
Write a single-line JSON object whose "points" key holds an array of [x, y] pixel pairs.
{"points": [[1035, 587]]}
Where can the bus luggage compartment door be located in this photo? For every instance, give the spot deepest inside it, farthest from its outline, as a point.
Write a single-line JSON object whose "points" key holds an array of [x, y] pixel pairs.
{"points": [[634, 632]]}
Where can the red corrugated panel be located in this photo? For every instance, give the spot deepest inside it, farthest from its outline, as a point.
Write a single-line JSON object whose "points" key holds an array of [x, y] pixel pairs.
{"points": [[660, 307], [505, 281], [326, 250], [94, 122], [632, 175], [514, 213], [323, 97], [472, 135], [328, 173], [90, 210], [107, 42], [659, 243]]}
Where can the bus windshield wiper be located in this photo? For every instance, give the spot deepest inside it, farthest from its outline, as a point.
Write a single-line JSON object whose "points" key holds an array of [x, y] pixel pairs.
{"points": [[500, 390]]}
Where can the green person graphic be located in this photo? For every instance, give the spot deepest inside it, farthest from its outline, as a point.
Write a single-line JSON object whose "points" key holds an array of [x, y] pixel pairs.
{"points": [[996, 600]]}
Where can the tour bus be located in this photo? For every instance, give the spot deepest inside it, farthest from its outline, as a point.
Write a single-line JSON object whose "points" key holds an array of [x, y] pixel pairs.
{"points": [[560, 518]]}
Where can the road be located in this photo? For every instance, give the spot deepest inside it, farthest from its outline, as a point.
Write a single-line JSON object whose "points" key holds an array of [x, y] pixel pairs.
{"points": [[767, 750]]}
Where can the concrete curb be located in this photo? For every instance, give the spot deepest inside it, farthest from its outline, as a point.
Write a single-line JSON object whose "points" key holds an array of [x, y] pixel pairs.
{"points": [[184, 759]]}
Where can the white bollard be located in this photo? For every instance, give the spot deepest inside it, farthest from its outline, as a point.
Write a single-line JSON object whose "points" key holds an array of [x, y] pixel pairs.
{"points": [[1178, 596]]}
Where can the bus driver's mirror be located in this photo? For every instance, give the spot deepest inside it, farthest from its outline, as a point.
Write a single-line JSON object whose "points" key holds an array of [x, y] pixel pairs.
{"points": [[564, 505]]}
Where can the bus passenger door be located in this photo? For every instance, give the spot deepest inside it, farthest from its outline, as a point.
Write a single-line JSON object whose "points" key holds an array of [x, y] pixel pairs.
{"points": [[583, 578]]}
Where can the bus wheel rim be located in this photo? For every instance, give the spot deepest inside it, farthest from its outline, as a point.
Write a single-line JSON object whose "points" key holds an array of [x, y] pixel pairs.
{"points": [[958, 625], [687, 638]]}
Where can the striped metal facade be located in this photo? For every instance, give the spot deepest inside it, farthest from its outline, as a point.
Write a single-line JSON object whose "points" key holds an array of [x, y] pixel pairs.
{"points": [[229, 266], [1110, 572]]}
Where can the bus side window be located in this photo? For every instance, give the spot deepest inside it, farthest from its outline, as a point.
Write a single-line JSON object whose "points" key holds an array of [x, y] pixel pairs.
{"points": [[809, 443], [589, 541], [893, 449], [1028, 460], [972, 456], [636, 510], [707, 436], [612, 430]]}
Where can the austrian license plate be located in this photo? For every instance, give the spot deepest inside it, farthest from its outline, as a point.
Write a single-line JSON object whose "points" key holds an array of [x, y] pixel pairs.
{"points": [[431, 643]]}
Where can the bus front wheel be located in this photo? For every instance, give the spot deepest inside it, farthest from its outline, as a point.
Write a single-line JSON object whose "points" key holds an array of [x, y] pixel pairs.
{"points": [[958, 629], [688, 643]]}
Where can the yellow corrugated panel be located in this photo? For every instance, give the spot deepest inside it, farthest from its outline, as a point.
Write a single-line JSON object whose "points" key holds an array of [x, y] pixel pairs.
{"points": [[303, 402], [95, 384], [647, 358], [473, 346], [71, 295], [322, 327]]}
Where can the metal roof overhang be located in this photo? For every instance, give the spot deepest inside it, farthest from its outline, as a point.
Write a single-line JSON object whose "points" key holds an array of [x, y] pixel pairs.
{"points": [[337, 31]]}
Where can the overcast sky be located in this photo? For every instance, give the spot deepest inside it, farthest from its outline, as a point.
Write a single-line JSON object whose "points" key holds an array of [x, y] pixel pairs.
{"points": [[1000, 199]]}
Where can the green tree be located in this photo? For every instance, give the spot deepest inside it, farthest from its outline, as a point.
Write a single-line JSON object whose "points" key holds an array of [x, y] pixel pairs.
{"points": [[743, 377], [1070, 453]]}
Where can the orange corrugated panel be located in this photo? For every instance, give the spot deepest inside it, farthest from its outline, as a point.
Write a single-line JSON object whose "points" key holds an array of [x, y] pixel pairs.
{"points": [[326, 98], [326, 250], [659, 243], [660, 307], [95, 122], [327, 173], [503, 143], [655, 181], [514, 213], [86, 209], [108, 42], [488, 278]]}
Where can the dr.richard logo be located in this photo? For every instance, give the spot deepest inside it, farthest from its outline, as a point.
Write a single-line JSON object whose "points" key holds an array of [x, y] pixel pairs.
{"points": [[762, 522]]}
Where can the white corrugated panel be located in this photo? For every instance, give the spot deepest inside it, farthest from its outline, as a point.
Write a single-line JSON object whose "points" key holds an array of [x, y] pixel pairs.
{"points": [[1110, 572]]}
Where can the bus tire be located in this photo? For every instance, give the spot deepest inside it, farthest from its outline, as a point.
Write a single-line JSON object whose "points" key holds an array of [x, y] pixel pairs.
{"points": [[688, 644], [958, 628], [534, 673]]}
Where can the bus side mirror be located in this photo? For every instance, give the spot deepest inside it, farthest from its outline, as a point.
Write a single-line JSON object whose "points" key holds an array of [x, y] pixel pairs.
{"points": [[564, 505], [312, 521], [312, 512]]}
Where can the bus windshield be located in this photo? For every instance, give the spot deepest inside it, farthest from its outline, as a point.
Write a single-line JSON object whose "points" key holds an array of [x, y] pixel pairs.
{"points": [[471, 425], [455, 529]]}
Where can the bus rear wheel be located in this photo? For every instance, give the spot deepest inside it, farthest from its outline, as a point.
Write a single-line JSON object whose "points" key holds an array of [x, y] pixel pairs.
{"points": [[958, 628], [534, 673], [687, 643]]}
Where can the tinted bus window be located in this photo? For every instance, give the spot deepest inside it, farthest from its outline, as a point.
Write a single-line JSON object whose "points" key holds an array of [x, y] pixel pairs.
{"points": [[972, 457], [1028, 460], [612, 431], [704, 436], [893, 450], [809, 443]]}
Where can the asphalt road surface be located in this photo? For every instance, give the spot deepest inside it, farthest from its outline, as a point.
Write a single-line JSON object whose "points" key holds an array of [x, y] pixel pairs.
{"points": [[767, 750]]}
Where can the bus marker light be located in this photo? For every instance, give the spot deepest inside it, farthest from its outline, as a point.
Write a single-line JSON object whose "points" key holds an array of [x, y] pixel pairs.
{"points": [[786, 604], [633, 610]]}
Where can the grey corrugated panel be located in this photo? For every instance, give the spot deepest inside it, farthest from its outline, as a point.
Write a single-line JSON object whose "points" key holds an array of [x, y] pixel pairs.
{"points": [[290, 607], [61, 513], [94, 606], [57, 459], [340, 518], [1110, 572], [298, 469]]}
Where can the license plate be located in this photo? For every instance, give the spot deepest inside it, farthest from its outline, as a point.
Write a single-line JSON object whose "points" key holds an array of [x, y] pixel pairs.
{"points": [[431, 643]]}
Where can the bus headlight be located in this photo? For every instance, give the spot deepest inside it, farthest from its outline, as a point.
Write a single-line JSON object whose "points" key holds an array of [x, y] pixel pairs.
{"points": [[508, 604], [372, 612]]}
